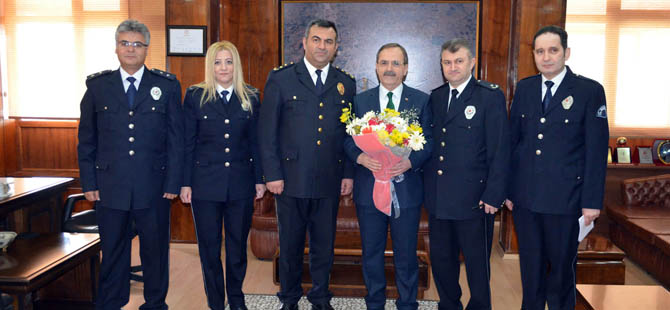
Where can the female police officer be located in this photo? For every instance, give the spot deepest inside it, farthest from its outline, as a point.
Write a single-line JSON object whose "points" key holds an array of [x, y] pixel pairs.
{"points": [[221, 167]]}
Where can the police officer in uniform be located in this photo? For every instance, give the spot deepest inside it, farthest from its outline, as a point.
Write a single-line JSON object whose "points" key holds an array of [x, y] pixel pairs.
{"points": [[559, 142], [222, 170], [301, 142], [130, 161], [465, 179]]}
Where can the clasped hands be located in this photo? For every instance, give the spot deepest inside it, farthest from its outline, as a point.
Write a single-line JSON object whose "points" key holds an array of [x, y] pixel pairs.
{"points": [[374, 165]]}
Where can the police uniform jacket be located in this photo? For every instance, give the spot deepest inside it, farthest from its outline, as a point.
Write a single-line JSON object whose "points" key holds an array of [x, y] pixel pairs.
{"points": [[410, 190], [470, 160], [131, 155], [222, 161], [559, 157], [300, 133]]}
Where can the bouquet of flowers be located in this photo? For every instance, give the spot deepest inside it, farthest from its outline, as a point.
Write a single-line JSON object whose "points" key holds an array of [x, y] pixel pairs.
{"points": [[388, 137]]}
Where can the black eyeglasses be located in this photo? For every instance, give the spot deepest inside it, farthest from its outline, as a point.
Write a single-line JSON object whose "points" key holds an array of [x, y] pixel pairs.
{"points": [[135, 44]]}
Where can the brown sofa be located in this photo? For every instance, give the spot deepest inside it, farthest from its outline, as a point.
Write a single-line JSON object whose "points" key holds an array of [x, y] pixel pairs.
{"points": [[641, 224], [264, 243]]}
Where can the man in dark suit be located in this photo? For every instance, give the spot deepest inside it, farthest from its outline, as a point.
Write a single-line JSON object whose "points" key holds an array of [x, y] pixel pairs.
{"points": [[392, 94], [559, 142], [301, 142], [464, 180], [130, 161]]}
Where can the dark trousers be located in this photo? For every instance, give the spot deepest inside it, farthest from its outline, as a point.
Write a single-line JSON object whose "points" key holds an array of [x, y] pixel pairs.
{"points": [[153, 227], [374, 231], [474, 238], [296, 216], [548, 258], [209, 218]]}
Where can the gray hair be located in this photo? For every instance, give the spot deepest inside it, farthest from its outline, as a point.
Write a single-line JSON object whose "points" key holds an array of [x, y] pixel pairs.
{"points": [[323, 23], [454, 45], [392, 45], [131, 25]]}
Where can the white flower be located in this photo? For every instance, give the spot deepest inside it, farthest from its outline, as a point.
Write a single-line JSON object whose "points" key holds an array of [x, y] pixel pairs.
{"points": [[399, 123], [368, 115], [416, 142]]}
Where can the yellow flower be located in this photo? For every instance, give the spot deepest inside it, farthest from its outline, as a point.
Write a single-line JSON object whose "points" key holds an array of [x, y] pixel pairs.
{"points": [[396, 136], [391, 113], [382, 135], [415, 128], [346, 114]]}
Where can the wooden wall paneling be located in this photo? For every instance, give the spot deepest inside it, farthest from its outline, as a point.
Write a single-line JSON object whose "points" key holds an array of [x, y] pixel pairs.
{"points": [[527, 16], [495, 38], [253, 26], [11, 159], [189, 71], [47, 148]]}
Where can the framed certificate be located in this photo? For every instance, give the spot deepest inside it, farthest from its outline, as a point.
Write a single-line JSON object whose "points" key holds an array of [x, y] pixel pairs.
{"points": [[644, 154], [186, 40], [623, 155]]}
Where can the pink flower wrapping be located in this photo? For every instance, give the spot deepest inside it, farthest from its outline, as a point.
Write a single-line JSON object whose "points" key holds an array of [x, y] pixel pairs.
{"points": [[381, 193]]}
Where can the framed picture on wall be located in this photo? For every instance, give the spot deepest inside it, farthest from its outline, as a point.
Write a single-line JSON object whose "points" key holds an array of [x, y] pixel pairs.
{"points": [[186, 40], [421, 27]]}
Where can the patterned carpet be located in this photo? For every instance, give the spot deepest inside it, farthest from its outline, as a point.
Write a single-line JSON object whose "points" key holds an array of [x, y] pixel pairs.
{"points": [[270, 302]]}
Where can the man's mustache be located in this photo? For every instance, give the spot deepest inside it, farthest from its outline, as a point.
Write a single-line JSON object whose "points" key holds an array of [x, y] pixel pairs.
{"points": [[389, 73]]}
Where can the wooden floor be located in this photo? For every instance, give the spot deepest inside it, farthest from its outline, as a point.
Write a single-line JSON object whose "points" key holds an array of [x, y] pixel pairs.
{"points": [[187, 291]]}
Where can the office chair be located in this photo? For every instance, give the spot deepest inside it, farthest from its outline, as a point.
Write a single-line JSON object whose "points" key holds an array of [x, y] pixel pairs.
{"points": [[86, 222]]}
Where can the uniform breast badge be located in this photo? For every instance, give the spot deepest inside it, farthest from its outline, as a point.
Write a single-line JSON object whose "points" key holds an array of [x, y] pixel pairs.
{"points": [[340, 88], [470, 111], [156, 93], [567, 102]]}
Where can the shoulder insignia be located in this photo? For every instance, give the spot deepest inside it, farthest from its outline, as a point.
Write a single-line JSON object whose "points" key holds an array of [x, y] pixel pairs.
{"points": [[530, 77], [443, 85], [164, 74], [488, 85], [282, 67], [351, 76], [97, 74], [581, 77]]}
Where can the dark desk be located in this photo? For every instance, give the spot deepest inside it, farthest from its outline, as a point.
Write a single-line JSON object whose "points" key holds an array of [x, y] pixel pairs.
{"points": [[35, 205], [52, 262]]}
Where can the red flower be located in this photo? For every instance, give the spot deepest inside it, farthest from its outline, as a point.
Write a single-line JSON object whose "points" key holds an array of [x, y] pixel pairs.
{"points": [[389, 128], [366, 130], [373, 121]]}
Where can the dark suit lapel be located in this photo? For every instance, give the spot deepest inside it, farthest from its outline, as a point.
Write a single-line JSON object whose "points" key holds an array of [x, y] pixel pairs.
{"points": [[217, 105], [564, 90], [118, 92], [372, 101], [330, 79], [535, 96], [146, 84], [457, 107], [304, 77], [234, 105], [405, 99]]}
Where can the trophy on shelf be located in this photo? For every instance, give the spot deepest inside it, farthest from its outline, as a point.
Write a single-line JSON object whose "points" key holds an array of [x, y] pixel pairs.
{"points": [[622, 151]]}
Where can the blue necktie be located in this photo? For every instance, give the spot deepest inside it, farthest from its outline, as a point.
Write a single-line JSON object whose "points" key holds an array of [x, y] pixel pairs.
{"points": [[547, 96], [319, 83], [131, 92], [224, 96], [454, 96]]}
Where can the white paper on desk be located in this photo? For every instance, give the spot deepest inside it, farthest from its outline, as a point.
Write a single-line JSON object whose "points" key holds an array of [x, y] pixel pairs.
{"points": [[583, 230]]}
